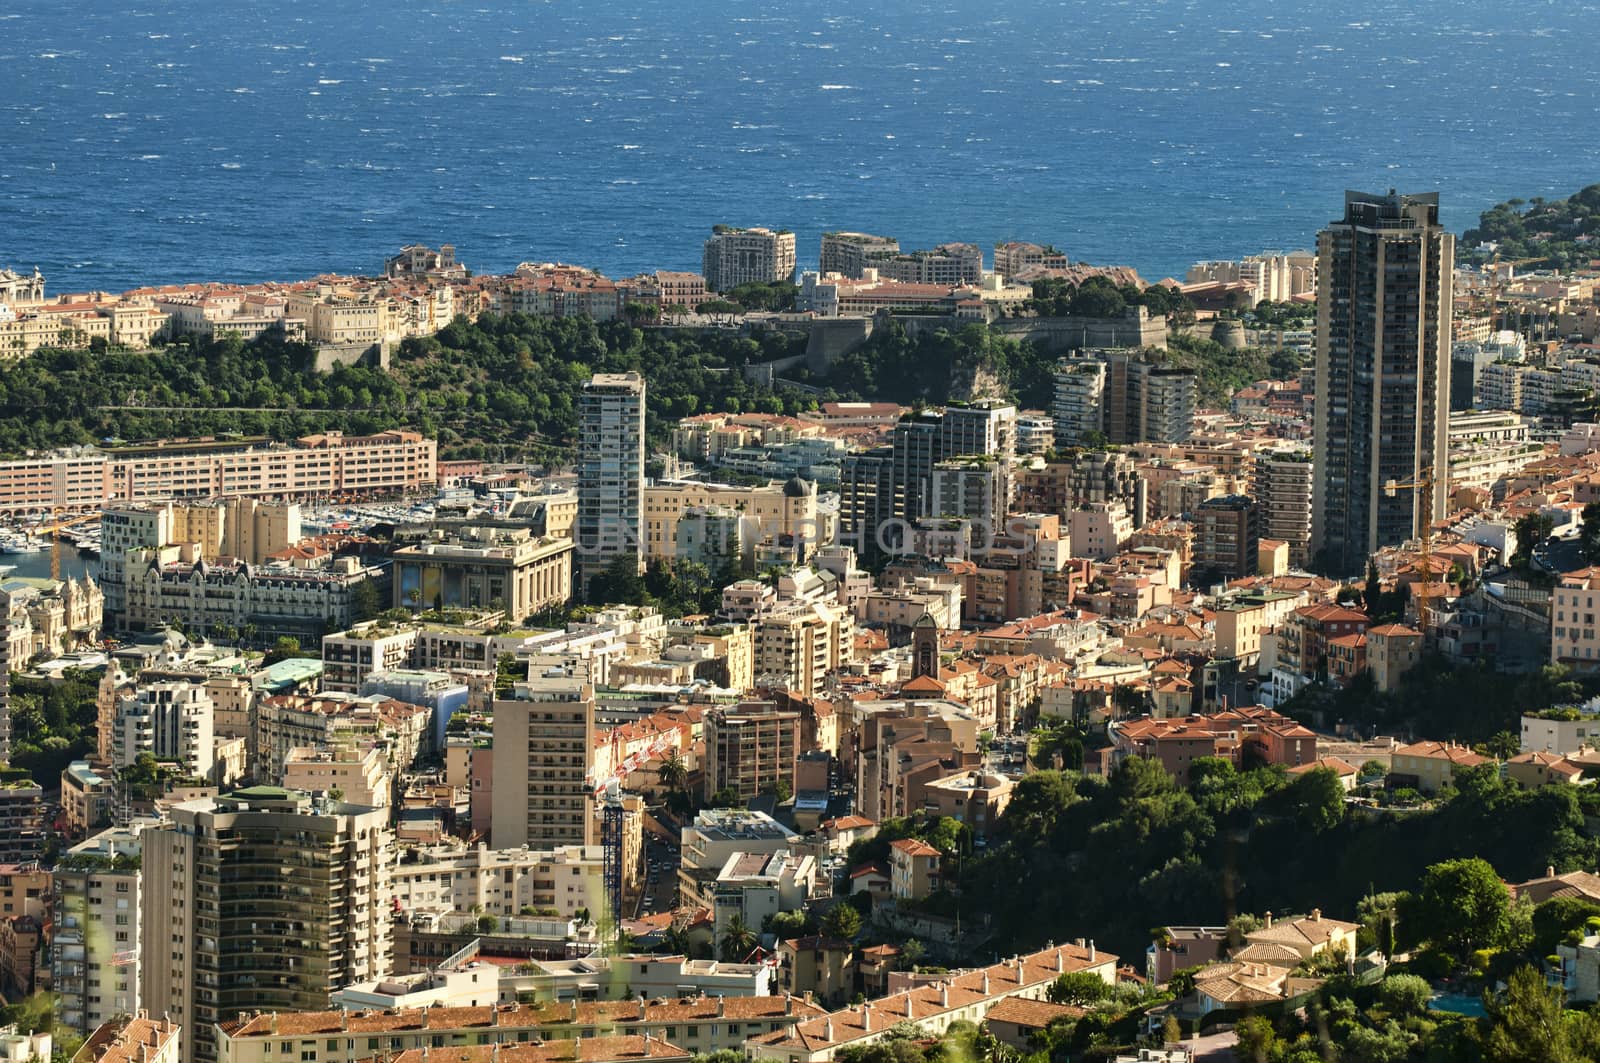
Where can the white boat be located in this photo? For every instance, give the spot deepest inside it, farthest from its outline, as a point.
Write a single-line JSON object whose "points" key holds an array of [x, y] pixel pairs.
{"points": [[20, 546]]}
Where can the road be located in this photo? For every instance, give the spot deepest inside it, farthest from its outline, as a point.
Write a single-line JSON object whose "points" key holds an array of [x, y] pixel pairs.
{"points": [[660, 893]]}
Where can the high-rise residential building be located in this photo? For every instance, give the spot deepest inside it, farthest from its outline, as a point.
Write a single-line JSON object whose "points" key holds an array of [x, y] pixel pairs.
{"points": [[747, 256], [1126, 395], [543, 748], [264, 899], [896, 483], [866, 497], [947, 265], [1226, 536], [751, 747], [1383, 374], [852, 254], [1282, 489], [172, 721], [799, 645], [1079, 406], [94, 953], [610, 473]]}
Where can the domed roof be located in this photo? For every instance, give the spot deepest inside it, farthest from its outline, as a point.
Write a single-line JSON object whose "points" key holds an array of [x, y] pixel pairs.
{"points": [[795, 487]]}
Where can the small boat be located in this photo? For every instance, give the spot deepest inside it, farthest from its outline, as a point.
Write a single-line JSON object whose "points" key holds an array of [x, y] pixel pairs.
{"points": [[20, 546]]}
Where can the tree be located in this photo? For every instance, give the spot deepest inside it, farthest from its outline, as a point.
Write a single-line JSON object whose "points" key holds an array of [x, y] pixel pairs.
{"points": [[727, 797], [1589, 535], [911, 954], [1171, 1031], [1558, 917], [488, 924], [1258, 1041], [1527, 1023], [1404, 994], [1460, 905], [1530, 530], [1318, 797], [842, 922], [672, 773], [285, 647], [1079, 988], [738, 940], [781, 789]]}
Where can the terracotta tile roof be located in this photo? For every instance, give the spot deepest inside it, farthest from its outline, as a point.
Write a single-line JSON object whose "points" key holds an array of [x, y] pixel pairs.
{"points": [[914, 847], [848, 823], [574, 1050], [1339, 767], [995, 982], [1307, 930], [1391, 630], [604, 1013], [1447, 750], [1036, 1014], [131, 1042]]}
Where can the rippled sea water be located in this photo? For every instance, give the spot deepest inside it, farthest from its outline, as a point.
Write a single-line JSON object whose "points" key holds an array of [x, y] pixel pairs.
{"points": [[249, 141]]}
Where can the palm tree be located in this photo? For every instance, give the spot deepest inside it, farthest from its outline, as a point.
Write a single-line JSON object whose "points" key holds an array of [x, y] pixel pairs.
{"points": [[675, 941], [672, 773], [738, 941]]}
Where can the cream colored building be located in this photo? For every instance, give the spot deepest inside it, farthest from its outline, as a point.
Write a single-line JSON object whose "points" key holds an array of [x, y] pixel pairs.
{"points": [[452, 877], [341, 316], [1427, 766], [544, 740], [699, 1025], [261, 879], [747, 256], [328, 721], [97, 908], [934, 1007], [776, 512], [1574, 641], [797, 646], [484, 568], [359, 776]]}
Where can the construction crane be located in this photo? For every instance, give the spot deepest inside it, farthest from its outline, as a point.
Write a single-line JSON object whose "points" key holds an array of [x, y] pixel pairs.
{"points": [[54, 531], [1424, 488], [612, 816]]}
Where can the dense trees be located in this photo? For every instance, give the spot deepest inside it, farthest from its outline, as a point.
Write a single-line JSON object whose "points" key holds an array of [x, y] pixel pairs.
{"points": [[52, 724], [503, 387], [1100, 855], [1549, 230]]}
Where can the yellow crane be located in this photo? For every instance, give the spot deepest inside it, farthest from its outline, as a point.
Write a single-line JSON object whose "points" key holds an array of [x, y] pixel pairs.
{"points": [[1424, 488], [53, 531]]}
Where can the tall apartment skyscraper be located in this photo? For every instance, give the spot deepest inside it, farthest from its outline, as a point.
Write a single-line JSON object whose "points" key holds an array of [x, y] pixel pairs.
{"points": [[1383, 374], [896, 482], [543, 745], [94, 955], [264, 899], [1127, 395], [747, 256], [610, 474]]}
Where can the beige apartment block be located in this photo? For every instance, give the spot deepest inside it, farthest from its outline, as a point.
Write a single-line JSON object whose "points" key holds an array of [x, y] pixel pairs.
{"points": [[736, 256], [263, 879], [543, 746]]}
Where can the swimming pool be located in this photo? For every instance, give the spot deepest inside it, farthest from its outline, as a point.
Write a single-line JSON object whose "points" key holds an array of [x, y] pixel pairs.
{"points": [[1469, 1004]]}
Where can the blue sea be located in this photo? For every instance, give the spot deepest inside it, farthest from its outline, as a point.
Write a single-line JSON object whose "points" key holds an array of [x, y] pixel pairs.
{"points": [[144, 143]]}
